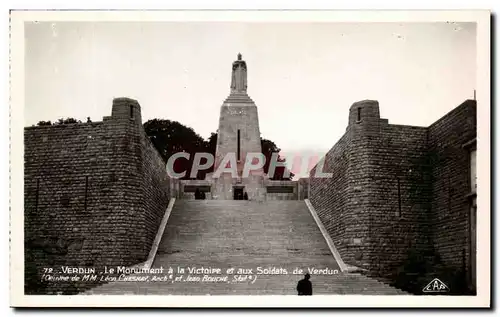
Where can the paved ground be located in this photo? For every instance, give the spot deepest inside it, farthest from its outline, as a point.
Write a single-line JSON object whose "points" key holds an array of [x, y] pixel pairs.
{"points": [[262, 239]]}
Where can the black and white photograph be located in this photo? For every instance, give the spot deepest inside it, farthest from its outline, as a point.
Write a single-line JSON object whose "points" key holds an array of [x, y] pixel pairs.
{"points": [[290, 156]]}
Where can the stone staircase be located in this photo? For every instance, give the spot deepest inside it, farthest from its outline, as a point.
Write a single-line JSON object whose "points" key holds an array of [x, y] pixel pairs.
{"points": [[245, 235]]}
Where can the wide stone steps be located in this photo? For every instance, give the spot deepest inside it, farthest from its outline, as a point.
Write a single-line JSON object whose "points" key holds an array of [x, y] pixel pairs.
{"points": [[245, 235]]}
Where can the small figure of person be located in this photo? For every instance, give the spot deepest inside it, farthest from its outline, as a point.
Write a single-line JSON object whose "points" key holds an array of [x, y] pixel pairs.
{"points": [[304, 286], [197, 194], [202, 195], [245, 196]]}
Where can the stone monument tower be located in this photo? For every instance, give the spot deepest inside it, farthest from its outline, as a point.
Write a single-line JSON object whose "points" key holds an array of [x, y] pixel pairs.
{"points": [[238, 135]]}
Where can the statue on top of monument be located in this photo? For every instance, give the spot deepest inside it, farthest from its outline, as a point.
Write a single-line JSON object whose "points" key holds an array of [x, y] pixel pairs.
{"points": [[239, 76]]}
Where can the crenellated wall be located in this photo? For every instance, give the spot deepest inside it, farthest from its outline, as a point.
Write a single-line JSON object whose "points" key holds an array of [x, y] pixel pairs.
{"points": [[95, 194], [398, 198]]}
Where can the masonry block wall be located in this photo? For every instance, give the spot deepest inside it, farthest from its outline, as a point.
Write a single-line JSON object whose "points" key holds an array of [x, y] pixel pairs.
{"points": [[451, 186], [395, 190], [331, 199], [188, 188], [95, 194], [303, 188]]}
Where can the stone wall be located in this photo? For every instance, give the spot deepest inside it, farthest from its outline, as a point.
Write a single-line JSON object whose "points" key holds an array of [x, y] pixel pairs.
{"points": [[281, 190], [156, 191], [331, 199], [95, 194], [238, 135], [398, 198], [451, 188], [397, 201], [284, 190]]}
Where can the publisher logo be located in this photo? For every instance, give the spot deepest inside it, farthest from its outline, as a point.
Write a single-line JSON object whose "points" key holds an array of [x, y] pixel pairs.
{"points": [[436, 286]]}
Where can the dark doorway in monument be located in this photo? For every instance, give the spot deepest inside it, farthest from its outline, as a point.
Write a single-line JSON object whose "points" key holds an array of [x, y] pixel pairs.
{"points": [[238, 192]]}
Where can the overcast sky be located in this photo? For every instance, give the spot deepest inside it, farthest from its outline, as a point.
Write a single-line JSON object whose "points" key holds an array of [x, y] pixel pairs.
{"points": [[303, 77]]}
